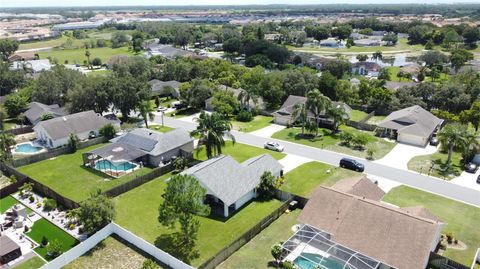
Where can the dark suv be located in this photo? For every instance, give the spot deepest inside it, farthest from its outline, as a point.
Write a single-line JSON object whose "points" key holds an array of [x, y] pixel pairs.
{"points": [[351, 164]]}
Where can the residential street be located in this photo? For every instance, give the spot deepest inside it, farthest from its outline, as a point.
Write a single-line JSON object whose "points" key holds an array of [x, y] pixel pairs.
{"points": [[413, 179]]}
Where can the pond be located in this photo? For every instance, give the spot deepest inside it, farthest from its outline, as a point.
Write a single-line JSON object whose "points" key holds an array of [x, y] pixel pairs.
{"points": [[399, 59]]}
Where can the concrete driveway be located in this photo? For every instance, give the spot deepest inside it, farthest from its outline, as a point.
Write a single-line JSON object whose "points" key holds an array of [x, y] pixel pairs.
{"points": [[268, 131], [292, 161], [468, 180], [401, 154]]}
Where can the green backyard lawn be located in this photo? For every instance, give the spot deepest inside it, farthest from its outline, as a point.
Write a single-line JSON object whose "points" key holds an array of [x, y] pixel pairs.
{"points": [[43, 227], [77, 56], [240, 152], [214, 234], [327, 140], [423, 164], [304, 179], [357, 115], [462, 219], [375, 119], [6, 203], [256, 253], [32, 263], [257, 123], [67, 175]]}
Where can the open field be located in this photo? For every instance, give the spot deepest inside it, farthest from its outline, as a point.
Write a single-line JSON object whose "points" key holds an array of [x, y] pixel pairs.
{"points": [[304, 179], [67, 175], [240, 152], [462, 219], [55, 42], [256, 253], [77, 56], [215, 231], [327, 140], [112, 252], [43, 227], [423, 164], [257, 123]]}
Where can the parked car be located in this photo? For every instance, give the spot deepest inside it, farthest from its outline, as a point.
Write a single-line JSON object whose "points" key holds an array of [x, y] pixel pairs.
{"points": [[434, 140], [352, 164], [178, 105], [478, 179], [471, 167], [273, 146], [161, 108]]}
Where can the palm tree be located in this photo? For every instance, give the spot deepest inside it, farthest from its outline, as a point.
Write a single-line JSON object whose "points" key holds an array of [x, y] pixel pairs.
{"points": [[455, 136], [338, 116], [300, 112], [212, 128], [87, 54], [146, 111], [6, 142], [317, 103], [377, 56], [245, 96]]}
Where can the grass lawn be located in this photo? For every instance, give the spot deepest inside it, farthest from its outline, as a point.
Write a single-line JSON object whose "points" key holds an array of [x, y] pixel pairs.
{"points": [[256, 253], [32, 263], [55, 42], [160, 128], [6, 203], [43, 227], [182, 113], [257, 123], [9, 124], [357, 115], [240, 152], [112, 252], [77, 56], [215, 232], [423, 164], [376, 119], [164, 101], [462, 219], [67, 175], [327, 140], [304, 179]]}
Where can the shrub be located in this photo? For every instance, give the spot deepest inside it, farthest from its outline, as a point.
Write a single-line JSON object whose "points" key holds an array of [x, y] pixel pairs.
{"points": [[25, 229], [39, 204], [370, 153], [449, 236], [244, 116], [442, 246], [31, 199], [180, 163], [346, 138], [455, 241], [108, 131], [73, 142], [71, 226], [44, 241], [49, 204], [54, 249], [149, 264], [288, 265], [276, 252], [268, 184], [13, 179], [360, 140]]}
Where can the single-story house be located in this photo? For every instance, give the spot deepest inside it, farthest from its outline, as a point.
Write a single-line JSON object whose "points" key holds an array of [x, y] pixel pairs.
{"points": [[331, 43], [36, 110], [161, 88], [284, 116], [36, 66], [22, 56], [167, 51], [395, 85], [56, 132], [360, 186], [412, 125], [351, 231], [412, 69], [9, 250], [368, 42], [259, 103], [366, 69], [157, 147], [317, 62], [232, 184]]}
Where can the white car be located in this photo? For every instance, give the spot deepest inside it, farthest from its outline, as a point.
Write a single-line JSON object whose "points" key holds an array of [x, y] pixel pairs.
{"points": [[273, 146]]}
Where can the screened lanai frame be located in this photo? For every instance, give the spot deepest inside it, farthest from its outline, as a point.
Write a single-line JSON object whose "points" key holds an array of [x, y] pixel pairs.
{"points": [[309, 239]]}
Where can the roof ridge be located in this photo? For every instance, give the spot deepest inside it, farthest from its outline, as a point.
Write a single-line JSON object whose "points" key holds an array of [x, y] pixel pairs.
{"points": [[214, 160]]}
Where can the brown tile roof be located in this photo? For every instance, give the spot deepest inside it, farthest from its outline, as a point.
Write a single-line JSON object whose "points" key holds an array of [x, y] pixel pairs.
{"points": [[360, 186], [422, 212], [8, 245], [385, 233]]}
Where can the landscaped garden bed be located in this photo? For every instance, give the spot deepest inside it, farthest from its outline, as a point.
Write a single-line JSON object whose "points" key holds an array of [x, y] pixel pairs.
{"points": [[67, 175], [436, 165]]}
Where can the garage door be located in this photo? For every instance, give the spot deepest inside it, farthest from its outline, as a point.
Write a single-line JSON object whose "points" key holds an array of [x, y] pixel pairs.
{"points": [[412, 139]]}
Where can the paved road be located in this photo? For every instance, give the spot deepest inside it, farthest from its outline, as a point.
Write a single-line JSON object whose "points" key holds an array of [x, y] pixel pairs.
{"points": [[405, 177]]}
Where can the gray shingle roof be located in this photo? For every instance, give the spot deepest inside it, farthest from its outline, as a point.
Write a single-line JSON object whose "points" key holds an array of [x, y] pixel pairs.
{"points": [[37, 110], [158, 86], [228, 180], [288, 106], [77, 123], [119, 152], [411, 120], [154, 143]]}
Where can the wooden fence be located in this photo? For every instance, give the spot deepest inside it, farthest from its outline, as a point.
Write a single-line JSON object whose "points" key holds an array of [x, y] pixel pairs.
{"points": [[20, 130], [437, 261], [54, 152], [223, 254]]}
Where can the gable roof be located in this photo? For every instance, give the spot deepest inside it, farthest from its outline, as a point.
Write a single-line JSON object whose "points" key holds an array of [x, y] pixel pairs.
{"points": [[8, 245], [169, 51], [22, 56], [159, 85], [411, 120], [77, 123], [373, 66], [385, 233], [36, 110], [288, 106], [360, 186], [395, 85], [229, 180], [152, 142]]}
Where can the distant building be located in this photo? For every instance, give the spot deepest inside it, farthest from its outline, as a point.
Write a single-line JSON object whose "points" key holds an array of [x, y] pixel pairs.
{"points": [[83, 25], [366, 69], [36, 66], [36, 110], [167, 51], [331, 43], [161, 88], [22, 56], [367, 42], [259, 103]]}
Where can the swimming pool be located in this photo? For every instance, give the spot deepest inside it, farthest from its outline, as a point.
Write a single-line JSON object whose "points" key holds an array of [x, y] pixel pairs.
{"points": [[27, 148], [117, 166], [310, 261]]}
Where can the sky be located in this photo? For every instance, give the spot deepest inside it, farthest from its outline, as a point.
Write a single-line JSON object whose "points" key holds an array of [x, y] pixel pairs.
{"points": [[63, 3]]}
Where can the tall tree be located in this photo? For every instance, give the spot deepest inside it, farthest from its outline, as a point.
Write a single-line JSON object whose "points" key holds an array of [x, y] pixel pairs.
{"points": [[300, 113], [146, 111], [6, 142], [318, 104], [377, 56], [455, 136], [95, 212], [338, 116], [212, 128], [7, 48], [87, 54]]}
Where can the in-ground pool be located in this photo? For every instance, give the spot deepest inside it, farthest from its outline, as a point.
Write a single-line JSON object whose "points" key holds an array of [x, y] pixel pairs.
{"points": [[27, 148], [310, 261], [117, 166]]}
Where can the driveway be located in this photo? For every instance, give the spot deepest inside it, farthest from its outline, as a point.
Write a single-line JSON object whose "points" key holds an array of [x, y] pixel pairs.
{"points": [[401, 154], [468, 180], [292, 161], [268, 131]]}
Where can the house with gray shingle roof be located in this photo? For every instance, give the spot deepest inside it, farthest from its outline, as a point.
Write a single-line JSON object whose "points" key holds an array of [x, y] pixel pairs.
{"points": [[412, 125], [36, 110], [258, 103], [230, 183], [165, 88], [55, 132]]}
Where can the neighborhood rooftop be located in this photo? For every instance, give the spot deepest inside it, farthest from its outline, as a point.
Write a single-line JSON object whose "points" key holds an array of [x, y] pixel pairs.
{"points": [[360, 186], [412, 120], [36, 110]]}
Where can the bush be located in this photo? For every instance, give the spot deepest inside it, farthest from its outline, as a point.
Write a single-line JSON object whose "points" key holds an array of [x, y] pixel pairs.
{"points": [[180, 163], [288, 265], [244, 116], [370, 153], [108, 131], [54, 249], [49, 204], [346, 138], [149, 264], [31, 199], [71, 226], [442, 246], [44, 241], [73, 141], [449, 237], [13, 179], [360, 140]]}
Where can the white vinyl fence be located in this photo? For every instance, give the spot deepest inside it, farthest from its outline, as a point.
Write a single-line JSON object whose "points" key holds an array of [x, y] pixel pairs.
{"points": [[114, 228]]}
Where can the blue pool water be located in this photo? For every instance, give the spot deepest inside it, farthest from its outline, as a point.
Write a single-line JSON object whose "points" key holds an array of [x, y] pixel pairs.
{"points": [[27, 148], [117, 166], [327, 263]]}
